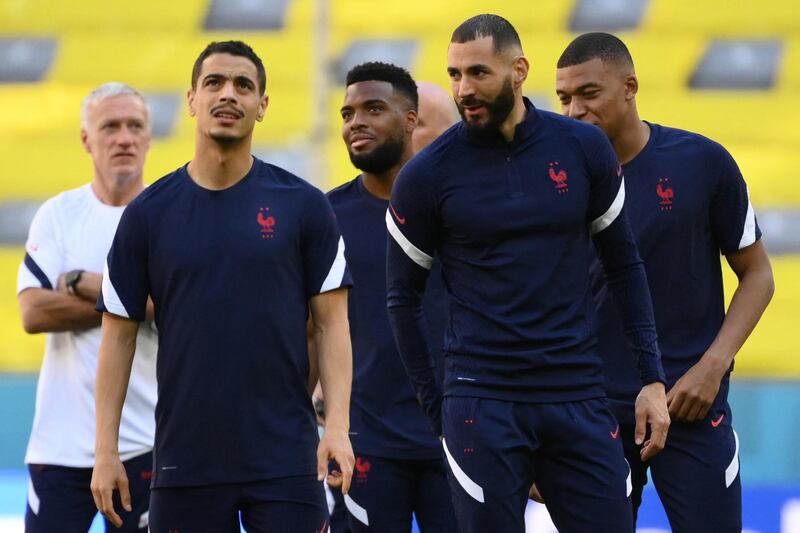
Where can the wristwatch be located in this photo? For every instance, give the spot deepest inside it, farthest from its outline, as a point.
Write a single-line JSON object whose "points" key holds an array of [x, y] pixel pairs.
{"points": [[71, 279]]}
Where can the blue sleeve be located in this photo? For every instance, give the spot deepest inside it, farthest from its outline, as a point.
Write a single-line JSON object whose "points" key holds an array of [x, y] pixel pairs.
{"points": [[324, 264], [624, 269], [733, 220], [413, 225], [125, 286]]}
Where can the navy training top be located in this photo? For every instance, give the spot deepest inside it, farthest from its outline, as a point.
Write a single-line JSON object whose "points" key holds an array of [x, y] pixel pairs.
{"points": [[511, 224], [230, 273], [386, 419], [686, 202]]}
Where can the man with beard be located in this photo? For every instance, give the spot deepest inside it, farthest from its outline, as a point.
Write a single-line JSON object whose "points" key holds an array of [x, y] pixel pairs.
{"points": [[400, 468], [508, 202], [688, 203], [234, 252]]}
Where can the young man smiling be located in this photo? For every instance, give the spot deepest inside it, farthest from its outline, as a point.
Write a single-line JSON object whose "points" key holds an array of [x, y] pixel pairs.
{"points": [[234, 251], [508, 202], [688, 203]]}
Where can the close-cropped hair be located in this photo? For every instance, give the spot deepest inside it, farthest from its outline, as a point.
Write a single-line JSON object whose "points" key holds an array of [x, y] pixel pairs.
{"points": [[499, 29], [607, 47], [398, 77], [108, 90], [234, 48]]}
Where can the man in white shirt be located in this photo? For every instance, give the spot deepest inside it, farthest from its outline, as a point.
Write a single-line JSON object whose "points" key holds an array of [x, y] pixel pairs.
{"points": [[58, 285]]}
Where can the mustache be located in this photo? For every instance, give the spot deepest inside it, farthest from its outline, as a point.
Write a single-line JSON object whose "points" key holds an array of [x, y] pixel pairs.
{"points": [[471, 101], [227, 108]]}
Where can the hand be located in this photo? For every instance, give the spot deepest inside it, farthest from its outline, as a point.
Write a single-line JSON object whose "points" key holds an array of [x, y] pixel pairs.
{"points": [[534, 494], [334, 479], [651, 408], [693, 394], [109, 474], [335, 444]]}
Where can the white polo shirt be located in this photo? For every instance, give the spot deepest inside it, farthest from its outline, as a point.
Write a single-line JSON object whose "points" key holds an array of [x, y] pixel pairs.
{"points": [[74, 230]]}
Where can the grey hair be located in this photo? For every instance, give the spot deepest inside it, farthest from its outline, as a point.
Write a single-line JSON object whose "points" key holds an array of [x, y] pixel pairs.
{"points": [[108, 90]]}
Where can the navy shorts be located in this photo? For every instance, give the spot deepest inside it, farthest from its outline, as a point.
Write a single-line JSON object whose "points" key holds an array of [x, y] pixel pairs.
{"points": [[497, 449], [696, 475], [295, 504], [385, 493], [60, 498]]}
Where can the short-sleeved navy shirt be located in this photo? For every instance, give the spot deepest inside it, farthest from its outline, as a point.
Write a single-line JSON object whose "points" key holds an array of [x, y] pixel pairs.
{"points": [[230, 273], [386, 419], [687, 202]]}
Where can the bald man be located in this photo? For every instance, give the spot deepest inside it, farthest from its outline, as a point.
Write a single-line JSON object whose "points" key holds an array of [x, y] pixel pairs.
{"points": [[437, 112]]}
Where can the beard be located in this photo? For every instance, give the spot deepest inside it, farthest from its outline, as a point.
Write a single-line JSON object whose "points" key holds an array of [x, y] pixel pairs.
{"points": [[497, 111], [381, 158]]}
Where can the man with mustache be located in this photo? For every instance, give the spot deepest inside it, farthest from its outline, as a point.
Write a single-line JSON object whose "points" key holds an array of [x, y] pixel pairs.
{"points": [[688, 203], [234, 252], [59, 282], [400, 468], [508, 201]]}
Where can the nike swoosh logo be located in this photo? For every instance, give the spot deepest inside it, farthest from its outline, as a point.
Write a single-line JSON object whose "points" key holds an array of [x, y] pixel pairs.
{"points": [[614, 434], [400, 219], [718, 421]]}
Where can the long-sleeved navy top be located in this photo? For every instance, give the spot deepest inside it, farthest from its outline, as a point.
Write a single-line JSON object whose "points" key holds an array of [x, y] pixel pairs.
{"points": [[510, 223]]}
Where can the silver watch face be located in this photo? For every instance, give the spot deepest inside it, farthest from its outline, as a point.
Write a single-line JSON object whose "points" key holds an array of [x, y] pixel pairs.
{"points": [[72, 279]]}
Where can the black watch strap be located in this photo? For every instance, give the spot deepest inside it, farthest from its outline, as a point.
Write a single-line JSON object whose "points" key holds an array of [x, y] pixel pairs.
{"points": [[71, 280]]}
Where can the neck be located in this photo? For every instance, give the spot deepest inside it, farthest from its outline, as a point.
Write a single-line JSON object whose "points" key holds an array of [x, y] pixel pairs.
{"points": [[381, 184], [117, 191], [632, 138], [517, 115], [217, 166]]}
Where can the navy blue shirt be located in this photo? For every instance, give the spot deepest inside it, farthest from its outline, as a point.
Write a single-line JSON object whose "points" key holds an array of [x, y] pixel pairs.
{"points": [[386, 419], [230, 273], [687, 202], [511, 224]]}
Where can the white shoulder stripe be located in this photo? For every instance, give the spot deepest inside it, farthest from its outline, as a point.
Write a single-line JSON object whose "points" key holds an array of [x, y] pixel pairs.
{"points": [[414, 253], [605, 220], [472, 488], [749, 232], [110, 297], [336, 273], [358, 512]]}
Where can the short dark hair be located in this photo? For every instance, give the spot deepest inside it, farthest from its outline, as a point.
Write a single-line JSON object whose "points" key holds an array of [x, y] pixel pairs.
{"points": [[487, 25], [398, 77], [588, 46], [234, 48]]}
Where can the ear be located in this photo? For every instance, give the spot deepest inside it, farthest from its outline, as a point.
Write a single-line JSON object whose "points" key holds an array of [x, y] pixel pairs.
{"points": [[85, 141], [190, 101], [520, 71], [631, 87], [412, 119], [262, 108]]}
